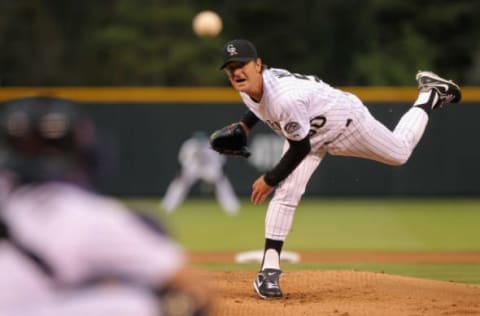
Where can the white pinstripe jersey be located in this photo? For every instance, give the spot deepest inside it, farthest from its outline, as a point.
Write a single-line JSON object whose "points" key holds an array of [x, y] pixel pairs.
{"points": [[295, 105]]}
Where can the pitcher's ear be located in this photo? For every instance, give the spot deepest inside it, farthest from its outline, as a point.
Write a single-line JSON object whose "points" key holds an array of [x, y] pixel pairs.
{"points": [[258, 64]]}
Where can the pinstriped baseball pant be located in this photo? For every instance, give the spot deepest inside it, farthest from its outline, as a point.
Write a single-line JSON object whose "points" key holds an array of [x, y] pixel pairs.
{"points": [[364, 137]]}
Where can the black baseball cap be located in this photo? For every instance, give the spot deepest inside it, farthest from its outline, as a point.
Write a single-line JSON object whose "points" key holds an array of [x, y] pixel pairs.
{"points": [[238, 50]]}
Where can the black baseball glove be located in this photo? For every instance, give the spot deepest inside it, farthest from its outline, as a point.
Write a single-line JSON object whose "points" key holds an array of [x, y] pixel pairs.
{"points": [[230, 140]]}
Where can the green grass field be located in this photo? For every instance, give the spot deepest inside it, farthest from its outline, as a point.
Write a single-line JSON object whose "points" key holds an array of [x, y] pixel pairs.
{"points": [[339, 225]]}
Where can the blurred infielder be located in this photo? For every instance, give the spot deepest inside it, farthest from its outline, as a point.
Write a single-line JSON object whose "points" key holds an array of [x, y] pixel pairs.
{"points": [[65, 250], [315, 119], [199, 162]]}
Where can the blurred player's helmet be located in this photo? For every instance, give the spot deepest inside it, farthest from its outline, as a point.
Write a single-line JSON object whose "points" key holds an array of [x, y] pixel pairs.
{"points": [[47, 139]]}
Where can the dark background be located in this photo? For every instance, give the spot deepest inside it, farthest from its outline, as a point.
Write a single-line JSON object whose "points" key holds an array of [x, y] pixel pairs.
{"points": [[151, 42], [148, 137]]}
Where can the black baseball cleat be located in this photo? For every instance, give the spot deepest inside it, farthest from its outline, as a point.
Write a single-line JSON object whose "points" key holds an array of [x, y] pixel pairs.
{"points": [[448, 91], [266, 284]]}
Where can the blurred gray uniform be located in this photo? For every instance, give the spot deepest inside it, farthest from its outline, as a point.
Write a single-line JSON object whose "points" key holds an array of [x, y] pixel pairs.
{"points": [[65, 250], [199, 162], [63, 243]]}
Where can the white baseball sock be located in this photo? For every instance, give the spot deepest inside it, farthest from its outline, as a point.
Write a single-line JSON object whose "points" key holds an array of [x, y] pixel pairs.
{"points": [[271, 260]]}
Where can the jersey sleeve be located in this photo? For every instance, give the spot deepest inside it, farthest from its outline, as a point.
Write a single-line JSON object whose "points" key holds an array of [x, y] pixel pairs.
{"points": [[129, 248]]}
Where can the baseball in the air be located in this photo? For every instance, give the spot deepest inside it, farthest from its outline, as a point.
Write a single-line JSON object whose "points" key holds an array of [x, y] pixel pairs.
{"points": [[207, 23]]}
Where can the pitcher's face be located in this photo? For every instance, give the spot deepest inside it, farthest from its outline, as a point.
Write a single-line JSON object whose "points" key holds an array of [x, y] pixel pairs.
{"points": [[245, 76]]}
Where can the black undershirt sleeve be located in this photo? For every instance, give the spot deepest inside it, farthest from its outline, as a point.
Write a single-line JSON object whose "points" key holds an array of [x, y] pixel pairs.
{"points": [[296, 152], [249, 119]]}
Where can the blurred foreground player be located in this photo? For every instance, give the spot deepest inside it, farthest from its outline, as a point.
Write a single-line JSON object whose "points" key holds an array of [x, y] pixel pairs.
{"points": [[65, 250]]}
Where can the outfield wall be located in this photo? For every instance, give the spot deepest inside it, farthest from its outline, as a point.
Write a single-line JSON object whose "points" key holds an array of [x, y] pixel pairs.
{"points": [[147, 127]]}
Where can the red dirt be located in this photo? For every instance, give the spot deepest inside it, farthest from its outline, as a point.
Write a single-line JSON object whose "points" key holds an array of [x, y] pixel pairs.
{"points": [[345, 293]]}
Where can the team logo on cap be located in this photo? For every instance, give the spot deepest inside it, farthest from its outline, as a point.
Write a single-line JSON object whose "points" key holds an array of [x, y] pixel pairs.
{"points": [[232, 50]]}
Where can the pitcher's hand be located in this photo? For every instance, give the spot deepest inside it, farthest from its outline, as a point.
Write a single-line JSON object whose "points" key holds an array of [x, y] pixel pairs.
{"points": [[260, 192]]}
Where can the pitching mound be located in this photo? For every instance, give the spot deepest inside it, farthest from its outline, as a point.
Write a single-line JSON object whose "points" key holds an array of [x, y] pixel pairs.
{"points": [[344, 293]]}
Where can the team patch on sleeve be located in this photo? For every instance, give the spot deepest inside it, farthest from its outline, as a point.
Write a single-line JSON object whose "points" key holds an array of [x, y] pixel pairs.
{"points": [[291, 127]]}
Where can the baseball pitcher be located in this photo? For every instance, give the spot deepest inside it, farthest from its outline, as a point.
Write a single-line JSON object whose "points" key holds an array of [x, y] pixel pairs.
{"points": [[315, 119]]}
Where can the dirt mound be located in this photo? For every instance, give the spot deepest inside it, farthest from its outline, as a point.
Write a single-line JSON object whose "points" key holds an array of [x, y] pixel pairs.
{"points": [[344, 293]]}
